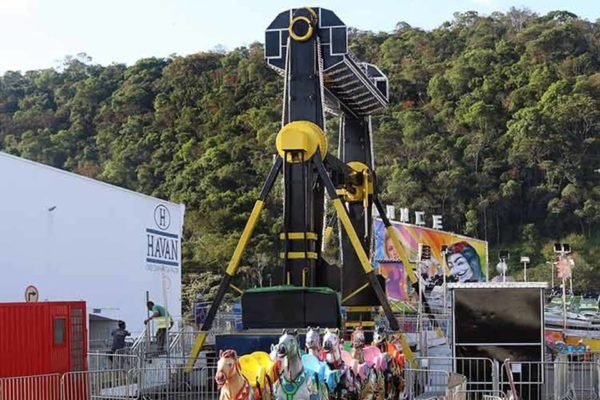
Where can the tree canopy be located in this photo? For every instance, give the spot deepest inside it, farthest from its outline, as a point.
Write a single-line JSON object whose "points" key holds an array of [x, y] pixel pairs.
{"points": [[494, 122]]}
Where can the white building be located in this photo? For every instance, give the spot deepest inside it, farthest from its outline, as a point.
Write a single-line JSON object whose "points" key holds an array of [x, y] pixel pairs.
{"points": [[75, 238]]}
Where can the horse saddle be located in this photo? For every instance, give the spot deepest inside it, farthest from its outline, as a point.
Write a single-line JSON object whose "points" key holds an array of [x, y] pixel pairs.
{"points": [[374, 358], [396, 355], [256, 367], [319, 368]]}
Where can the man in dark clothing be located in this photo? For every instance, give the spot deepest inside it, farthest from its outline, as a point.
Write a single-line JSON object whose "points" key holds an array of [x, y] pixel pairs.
{"points": [[118, 339]]}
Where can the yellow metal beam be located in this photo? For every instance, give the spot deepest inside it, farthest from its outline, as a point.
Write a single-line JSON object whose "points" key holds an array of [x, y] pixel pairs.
{"points": [[198, 344], [353, 324], [360, 289], [237, 289], [297, 255], [360, 252], [408, 354], [298, 235], [245, 238], [361, 309]]}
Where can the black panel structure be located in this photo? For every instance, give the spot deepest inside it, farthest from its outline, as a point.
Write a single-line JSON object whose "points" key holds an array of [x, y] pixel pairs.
{"points": [[497, 315], [500, 321], [290, 307], [359, 87]]}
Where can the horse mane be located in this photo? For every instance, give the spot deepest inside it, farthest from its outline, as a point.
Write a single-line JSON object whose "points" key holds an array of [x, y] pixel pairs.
{"points": [[230, 353]]}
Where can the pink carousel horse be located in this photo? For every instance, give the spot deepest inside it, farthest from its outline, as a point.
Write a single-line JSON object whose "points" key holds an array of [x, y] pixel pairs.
{"points": [[363, 361]]}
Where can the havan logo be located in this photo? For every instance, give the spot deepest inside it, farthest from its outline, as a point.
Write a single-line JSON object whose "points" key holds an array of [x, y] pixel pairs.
{"points": [[162, 217], [162, 251]]}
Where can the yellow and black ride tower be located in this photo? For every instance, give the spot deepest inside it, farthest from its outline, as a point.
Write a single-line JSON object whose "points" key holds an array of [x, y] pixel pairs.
{"points": [[309, 48]]}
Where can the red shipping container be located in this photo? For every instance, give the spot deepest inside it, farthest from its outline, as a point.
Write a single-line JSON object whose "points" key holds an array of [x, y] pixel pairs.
{"points": [[42, 338]]}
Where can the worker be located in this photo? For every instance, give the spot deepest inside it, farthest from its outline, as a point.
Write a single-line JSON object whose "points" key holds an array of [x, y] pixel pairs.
{"points": [[118, 339], [163, 321]]}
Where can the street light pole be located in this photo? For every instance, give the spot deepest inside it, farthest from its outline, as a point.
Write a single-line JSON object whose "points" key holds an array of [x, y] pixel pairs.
{"points": [[564, 299], [563, 249], [525, 260], [444, 268], [552, 264]]}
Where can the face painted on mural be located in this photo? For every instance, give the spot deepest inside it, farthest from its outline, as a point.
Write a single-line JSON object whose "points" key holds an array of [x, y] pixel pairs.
{"points": [[390, 250], [459, 266]]}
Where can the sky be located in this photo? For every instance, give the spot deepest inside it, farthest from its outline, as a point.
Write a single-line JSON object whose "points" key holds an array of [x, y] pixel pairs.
{"points": [[37, 34]]}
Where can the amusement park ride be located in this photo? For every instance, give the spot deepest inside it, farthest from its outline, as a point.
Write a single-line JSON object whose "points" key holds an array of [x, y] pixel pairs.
{"points": [[308, 47]]}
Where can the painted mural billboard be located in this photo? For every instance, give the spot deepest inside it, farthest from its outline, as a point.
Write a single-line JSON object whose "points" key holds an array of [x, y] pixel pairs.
{"points": [[466, 258]]}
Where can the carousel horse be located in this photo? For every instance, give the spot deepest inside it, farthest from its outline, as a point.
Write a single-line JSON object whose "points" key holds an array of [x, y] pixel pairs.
{"points": [[392, 374], [295, 382], [313, 342], [229, 378], [258, 369], [364, 360], [348, 385], [314, 360]]}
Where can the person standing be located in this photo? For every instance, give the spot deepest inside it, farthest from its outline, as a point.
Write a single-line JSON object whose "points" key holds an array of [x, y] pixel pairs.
{"points": [[163, 321], [118, 339]]}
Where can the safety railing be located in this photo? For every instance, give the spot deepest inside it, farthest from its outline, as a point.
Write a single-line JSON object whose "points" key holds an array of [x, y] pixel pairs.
{"points": [[429, 382], [39, 387], [121, 359], [167, 379], [557, 380], [174, 383], [95, 385], [482, 373], [480, 395], [457, 384]]}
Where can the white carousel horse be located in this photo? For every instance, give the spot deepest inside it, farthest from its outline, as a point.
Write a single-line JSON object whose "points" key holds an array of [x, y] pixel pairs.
{"points": [[295, 382], [348, 386], [313, 342]]}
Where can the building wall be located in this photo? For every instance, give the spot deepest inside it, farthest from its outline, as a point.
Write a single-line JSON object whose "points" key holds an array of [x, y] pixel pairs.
{"points": [[75, 238]]}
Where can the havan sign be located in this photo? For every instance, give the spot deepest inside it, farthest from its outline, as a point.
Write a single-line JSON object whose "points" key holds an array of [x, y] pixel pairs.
{"points": [[162, 249]]}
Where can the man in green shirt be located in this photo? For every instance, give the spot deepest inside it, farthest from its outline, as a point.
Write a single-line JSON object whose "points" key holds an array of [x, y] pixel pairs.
{"points": [[163, 321]]}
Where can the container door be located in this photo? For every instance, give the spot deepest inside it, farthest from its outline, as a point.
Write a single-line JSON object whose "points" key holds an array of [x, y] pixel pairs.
{"points": [[60, 349], [77, 339]]}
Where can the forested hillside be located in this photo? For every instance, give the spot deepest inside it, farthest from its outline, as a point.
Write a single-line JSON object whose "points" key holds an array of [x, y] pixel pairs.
{"points": [[494, 123]]}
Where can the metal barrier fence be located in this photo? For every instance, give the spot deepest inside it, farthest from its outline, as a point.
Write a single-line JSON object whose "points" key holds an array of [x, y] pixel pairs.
{"points": [[482, 373], [558, 380], [457, 384], [480, 395], [173, 383], [93, 385], [165, 378], [119, 360], [39, 387], [426, 381]]}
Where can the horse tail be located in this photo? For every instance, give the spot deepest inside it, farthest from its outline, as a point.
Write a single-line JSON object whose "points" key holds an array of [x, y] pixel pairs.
{"points": [[269, 385], [258, 390]]}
